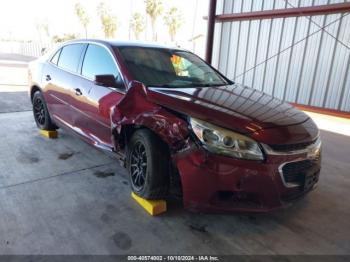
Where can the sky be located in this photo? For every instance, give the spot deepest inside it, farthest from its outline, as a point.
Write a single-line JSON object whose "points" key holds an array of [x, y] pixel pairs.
{"points": [[19, 19]]}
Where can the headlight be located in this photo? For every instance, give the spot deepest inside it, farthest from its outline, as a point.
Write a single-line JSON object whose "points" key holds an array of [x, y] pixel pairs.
{"points": [[225, 142]]}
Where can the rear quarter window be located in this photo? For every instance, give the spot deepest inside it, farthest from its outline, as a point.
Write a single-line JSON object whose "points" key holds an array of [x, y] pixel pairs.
{"points": [[70, 57], [54, 59]]}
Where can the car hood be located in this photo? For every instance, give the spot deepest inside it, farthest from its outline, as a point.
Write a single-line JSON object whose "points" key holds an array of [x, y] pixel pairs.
{"points": [[235, 107]]}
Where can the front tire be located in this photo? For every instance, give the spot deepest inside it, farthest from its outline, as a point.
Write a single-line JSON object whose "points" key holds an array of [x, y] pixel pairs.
{"points": [[148, 165], [41, 114]]}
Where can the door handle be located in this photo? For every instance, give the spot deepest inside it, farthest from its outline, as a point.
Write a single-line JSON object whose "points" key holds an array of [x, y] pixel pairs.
{"points": [[48, 77], [78, 92]]}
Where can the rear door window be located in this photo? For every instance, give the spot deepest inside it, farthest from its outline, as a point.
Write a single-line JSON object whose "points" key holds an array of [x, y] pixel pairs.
{"points": [[70, 57]]}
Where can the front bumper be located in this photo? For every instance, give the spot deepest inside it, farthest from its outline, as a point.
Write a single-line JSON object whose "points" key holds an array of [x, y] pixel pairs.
{"points": [[214, 183]]}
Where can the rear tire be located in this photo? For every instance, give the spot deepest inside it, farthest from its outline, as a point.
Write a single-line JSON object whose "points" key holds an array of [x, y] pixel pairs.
{"points": [[41, 114], [148, 165]]}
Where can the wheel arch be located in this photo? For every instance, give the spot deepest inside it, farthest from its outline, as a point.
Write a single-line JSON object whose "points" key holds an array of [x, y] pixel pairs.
{"points": [[122, 138], [166, 126]]}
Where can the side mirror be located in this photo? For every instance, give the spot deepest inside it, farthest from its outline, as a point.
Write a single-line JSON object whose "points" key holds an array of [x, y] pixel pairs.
{"points": [[108, 81]]}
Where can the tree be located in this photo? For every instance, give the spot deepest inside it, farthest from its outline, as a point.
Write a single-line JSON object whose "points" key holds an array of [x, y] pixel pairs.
{"points": [[82, 16], [137, 24], [173, 19], [65, 37], [43, 26], [109, 22], [154, 8]]}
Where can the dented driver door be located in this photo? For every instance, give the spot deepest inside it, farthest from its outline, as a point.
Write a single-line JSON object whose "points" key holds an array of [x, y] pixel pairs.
{"points": [[94, 108]]}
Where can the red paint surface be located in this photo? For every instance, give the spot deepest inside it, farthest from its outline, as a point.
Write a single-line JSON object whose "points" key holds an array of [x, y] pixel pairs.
{"points": [[101, 112], [204, 175]]}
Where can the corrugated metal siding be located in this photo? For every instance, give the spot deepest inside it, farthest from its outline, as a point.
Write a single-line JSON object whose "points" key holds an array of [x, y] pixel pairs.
{"points": [[290, 58]]}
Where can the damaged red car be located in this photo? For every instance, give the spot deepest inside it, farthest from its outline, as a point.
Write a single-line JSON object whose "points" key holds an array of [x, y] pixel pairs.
{"points": [[169, 116]]}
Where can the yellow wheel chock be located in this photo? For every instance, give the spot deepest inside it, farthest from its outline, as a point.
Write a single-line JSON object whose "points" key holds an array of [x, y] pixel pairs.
{"points": [[49, 133], [153, 207]]}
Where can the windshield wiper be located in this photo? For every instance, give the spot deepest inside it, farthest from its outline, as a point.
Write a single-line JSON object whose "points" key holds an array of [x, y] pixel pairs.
{"points": [[208, 85], [193, 85], [165, 85]]}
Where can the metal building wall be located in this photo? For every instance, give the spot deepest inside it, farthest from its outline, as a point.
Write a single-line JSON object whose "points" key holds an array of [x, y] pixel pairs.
{"points": [[304, 60]]}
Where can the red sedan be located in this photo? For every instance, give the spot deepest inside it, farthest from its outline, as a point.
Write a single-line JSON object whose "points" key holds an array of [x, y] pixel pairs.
{"points": [[169, 116]]}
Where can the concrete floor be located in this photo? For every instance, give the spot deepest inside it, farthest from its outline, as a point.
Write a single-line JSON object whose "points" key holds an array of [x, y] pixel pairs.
{"points": [[64, 197]]}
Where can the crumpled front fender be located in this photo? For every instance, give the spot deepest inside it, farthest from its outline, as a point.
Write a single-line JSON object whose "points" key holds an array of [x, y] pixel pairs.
{"points": [[135, 109]]}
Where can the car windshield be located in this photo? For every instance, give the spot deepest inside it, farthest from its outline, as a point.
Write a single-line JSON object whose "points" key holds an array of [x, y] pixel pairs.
{"points": [[169, 68]]}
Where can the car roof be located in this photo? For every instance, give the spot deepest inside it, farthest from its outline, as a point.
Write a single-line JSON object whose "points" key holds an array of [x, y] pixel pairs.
{"points": [[115, 43]]}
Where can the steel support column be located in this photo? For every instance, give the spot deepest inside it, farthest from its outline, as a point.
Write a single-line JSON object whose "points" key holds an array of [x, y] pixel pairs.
{"points": [[210, 32]]}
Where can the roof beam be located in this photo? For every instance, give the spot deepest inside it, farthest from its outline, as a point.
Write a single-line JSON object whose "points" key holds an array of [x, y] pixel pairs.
{"points": [[289, 12]]}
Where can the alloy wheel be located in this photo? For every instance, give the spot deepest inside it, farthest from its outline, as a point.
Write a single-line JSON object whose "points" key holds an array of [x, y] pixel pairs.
{"points": [[39, 111], [138, 165]]}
